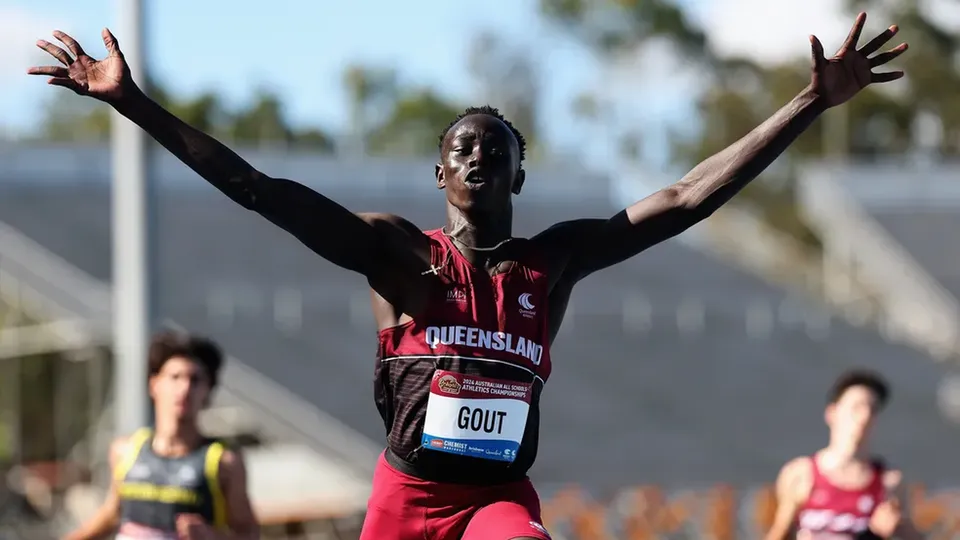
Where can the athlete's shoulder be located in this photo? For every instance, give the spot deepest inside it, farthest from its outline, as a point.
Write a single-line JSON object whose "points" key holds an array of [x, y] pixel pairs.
{"points": [[798, 466], [232, 467], [231, 459], [123, 445], [796, 475], [892, 478], [381, 220], [560, 242], [118, 448], [566, 231], [395, 229]]}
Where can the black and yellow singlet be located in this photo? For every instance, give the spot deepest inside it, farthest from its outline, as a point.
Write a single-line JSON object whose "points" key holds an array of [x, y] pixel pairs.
{"points": [[153, 489]]}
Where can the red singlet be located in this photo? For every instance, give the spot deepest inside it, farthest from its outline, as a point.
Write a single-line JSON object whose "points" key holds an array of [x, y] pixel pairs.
{"points": [[458, 389], [834, 513]]}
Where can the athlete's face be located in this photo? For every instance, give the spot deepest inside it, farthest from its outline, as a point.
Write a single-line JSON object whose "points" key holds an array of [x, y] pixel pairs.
{"points": [[852, 415], [480, 164], [180, 389]]}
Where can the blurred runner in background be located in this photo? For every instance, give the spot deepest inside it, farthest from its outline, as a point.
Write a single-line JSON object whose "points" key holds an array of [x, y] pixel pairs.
{"points": [[170, 482], [843, 491]]}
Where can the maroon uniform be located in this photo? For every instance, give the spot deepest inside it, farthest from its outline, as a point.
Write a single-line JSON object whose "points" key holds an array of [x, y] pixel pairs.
{"points": [[458, 388], [833, 512]]}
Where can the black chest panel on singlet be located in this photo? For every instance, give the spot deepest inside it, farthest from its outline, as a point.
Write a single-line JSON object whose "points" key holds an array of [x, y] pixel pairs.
{"points": [[154, 489]]}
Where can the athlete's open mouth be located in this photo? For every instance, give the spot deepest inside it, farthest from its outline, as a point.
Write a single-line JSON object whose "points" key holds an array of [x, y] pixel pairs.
{"points": [[475, 179]]}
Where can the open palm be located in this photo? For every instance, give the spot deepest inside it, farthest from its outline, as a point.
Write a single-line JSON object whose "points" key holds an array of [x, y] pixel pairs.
{"points": [[106, 80], [839, 78]]}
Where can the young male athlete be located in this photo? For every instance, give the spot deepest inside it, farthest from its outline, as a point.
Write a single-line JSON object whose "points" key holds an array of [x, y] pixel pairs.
{"points": [[169, 482], [843, 492], [466, 313]]}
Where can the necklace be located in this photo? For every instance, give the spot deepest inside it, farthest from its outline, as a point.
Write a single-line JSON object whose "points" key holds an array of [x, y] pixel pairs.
{"points": [[444, 232], [435, 270]]}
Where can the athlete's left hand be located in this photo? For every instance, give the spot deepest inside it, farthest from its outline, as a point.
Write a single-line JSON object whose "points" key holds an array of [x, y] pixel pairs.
{"points": [[193, 527], [839, 78], [885, 519]]}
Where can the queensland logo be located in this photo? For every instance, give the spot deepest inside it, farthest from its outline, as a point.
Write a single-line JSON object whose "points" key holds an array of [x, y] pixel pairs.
{"points": [[448, 385], [527, 309]]}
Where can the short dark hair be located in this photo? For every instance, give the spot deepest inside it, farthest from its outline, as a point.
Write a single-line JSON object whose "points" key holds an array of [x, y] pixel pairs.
{"points": [[860, 377], [489, 111], [169, 344]]}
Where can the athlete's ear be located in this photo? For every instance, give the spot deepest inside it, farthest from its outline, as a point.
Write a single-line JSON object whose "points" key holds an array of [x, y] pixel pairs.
{"points": [[151, 387], [441, 182], [518, 181], [829, 413]]}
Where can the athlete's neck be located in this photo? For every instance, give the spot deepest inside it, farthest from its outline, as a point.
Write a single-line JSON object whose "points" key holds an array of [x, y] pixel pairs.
{"points": [[480, 230], [843, 451], [175, 437]]}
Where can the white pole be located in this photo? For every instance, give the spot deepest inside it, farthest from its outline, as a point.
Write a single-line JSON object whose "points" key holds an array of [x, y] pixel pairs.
{"points": [[132, 219]]}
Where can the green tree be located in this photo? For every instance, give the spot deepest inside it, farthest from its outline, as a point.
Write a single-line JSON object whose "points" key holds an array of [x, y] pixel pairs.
{"points": [[261, 123], [74, 119], [615, 25], [372, 93], [414, 124], [507, 78], [389, 118]]}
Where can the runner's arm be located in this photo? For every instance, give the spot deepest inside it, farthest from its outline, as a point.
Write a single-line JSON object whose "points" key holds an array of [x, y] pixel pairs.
{"points": [[336, 234], [240, 517], [906, 530], [672, 210], [107, 517], [789, 483]]}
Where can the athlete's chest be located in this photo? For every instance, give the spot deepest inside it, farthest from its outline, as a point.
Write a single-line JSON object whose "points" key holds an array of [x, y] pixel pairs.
{"points": [[186, 471], [515, 299], [831, 510], [501, 316]]}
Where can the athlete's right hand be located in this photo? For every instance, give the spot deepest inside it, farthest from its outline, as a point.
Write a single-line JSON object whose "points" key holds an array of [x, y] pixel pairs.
{"points": [[885, 519], [108, 80]]}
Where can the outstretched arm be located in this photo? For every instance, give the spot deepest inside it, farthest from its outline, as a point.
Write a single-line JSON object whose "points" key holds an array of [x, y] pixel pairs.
{"points": [[672, 210], [335, 233], [376, 246]]}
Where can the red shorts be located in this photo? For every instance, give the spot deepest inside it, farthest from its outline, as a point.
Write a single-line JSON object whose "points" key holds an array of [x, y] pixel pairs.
{"points": [[402, 507]]}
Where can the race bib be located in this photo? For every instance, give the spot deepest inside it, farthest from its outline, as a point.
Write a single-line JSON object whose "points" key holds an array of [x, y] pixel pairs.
{"points": [[476, 416]]}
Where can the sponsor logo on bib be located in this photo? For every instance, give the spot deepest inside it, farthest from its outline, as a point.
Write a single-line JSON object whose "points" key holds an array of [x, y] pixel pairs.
{"points": [[448, 384]]}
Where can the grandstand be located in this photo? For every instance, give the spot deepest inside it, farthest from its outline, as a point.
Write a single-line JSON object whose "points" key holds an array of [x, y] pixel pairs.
{"points": [[918, 206], [679, 369]]}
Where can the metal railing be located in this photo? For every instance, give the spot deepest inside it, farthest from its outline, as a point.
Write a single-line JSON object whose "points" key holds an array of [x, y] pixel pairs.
{"points": [[912, 306]]}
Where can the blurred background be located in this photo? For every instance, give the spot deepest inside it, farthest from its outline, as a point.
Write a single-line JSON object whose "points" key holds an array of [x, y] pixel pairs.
{"points": [[684, 378]]}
